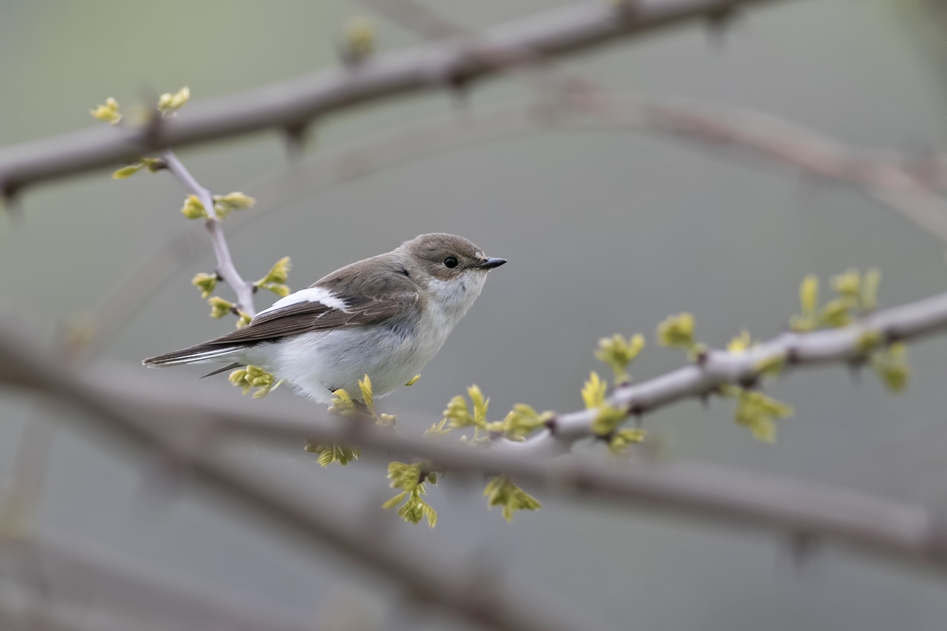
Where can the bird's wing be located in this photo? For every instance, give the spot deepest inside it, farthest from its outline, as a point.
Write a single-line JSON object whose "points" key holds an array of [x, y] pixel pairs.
{"points": [[317, 309]]}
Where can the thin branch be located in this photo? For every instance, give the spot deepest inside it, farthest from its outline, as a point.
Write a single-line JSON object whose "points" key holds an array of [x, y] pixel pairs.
{"points": [[225, 267], [190, 427], [715, 368], [450, 589], [291, 105]]}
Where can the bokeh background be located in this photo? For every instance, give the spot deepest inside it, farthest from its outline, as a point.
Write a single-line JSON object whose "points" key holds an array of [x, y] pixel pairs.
{"points": [[606, 232]]}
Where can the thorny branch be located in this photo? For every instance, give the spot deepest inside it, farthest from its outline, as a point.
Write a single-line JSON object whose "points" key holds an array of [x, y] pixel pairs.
{"points": [[292, 105], [906, 186], [846, 345], [188, 428], [145, 431]]}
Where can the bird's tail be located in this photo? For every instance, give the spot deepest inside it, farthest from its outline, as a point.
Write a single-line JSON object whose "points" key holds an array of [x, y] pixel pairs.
{"points": [[196, 354]]}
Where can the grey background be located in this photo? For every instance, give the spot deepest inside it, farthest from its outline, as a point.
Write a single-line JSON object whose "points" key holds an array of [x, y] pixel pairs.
{"points": [[605, 232]]}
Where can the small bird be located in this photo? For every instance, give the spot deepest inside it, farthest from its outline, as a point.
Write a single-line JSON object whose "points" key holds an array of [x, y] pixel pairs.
{"points": [[385, 317]]}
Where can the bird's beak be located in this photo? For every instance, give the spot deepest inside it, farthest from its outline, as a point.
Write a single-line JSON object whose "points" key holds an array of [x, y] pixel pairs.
{"points": [[491, 263]]}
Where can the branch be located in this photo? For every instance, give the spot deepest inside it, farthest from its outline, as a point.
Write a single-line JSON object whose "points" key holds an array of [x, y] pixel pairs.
{"points": [[904, 186], [225, 267], [807, 511], [290, 106], [145, 430], [713, 369], [706, 126], [143, 600]]}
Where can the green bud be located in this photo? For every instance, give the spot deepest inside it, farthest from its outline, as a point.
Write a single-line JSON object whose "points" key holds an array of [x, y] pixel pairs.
{"points": [[333, 453], [250, 377], [522, 421], [413, 380], [740, 343], [677, 331], [624, 438], [193, 208], [107, 113], [618, 353], [342, 403], [126, 172], [219, 307], [168, 103], [836, 313], [359, 39], [607, 419], [848, 285], [365, 385], [758, 412], [206, 283], [408, 478], [891, 367], [438, 429], [275, 279], [593, 392], [225, 204], [501, 491], [809, 301]]}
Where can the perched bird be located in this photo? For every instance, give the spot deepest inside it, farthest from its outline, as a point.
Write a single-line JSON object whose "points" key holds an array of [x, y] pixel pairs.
{"points": [[384, 317]]}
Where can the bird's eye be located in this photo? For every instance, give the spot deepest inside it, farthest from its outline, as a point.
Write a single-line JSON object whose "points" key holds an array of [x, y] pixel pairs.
{"points": [[450, 262]]}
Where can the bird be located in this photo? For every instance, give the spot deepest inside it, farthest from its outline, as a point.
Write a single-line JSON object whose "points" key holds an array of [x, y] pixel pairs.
{"points": [[384, 316]]}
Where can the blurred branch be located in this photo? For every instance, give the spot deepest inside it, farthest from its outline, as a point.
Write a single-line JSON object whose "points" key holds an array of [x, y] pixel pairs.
{"points": [[225, 267], [704, 126], [906, 186], [187, 427], [105, 594], [291, 106], [147, 430]]}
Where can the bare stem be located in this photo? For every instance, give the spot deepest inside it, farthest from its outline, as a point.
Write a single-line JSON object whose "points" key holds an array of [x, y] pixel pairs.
{"points": [[188, 428], [225, 266]]}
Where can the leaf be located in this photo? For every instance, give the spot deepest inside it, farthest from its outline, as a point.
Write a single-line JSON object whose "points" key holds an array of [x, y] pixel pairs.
{"points": [[365, 385], [126, 172], [593, 392], [677, 331]]}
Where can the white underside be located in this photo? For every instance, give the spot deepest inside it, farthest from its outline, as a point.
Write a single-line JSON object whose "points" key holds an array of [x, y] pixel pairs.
{"points": [[319, 362]]}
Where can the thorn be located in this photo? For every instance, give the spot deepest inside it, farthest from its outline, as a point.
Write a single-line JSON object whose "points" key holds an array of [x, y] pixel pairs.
{"points": [[801, 547], [552, 424], [792, 355], [705, 400], [460, 91], [297, 137], [717, 24], [10, 202], [855, 369], [891, 336], [701, 358], [634, 409], [750, 382]]}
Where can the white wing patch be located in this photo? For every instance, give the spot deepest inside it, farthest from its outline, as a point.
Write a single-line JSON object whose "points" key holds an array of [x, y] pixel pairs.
{"points": [[312, 294]]}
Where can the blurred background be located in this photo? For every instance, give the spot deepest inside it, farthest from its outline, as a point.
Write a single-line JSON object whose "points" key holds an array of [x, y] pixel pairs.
{"points": [[606, 231]]}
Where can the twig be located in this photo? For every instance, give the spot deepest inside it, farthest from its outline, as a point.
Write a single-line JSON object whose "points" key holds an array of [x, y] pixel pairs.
{"points": [[225, 266], [291, 105], [450, 589], [191, 426], [845, 345]]}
